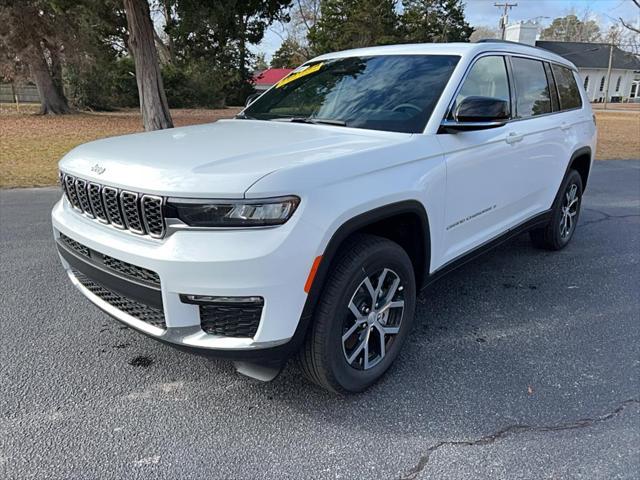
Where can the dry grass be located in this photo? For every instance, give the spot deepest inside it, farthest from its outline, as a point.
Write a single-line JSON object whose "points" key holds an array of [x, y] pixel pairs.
{"points": [[31, 145], [618, 135], [626, 107]]}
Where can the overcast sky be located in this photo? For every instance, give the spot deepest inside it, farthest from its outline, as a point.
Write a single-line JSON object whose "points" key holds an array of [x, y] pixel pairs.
{"points": [[483, 12]]}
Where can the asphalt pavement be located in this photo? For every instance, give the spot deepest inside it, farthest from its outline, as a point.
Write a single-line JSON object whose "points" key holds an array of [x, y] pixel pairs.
{"points": [[522, 364]]}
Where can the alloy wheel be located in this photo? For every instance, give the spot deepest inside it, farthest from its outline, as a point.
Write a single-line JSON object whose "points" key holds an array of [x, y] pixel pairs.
{"points": [[570, 204], [373, 319]]}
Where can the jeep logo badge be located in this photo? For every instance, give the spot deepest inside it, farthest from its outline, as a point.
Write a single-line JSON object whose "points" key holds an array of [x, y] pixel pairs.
{"points": [[98, 169]]}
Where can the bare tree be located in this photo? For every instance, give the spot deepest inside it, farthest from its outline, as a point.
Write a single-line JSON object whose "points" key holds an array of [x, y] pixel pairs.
{"points": [[628, 25], [484, 32], [303, 15], [153, 101], [164, 42], [573, 27]]}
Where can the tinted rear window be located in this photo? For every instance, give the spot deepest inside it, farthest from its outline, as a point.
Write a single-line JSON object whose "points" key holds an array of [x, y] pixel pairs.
{"points": [[532, 89], [567, 88]]}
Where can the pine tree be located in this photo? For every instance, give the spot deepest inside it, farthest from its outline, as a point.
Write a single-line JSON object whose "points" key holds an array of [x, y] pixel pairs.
{"points": [[289, 55], [348, 24], [425, 21]]}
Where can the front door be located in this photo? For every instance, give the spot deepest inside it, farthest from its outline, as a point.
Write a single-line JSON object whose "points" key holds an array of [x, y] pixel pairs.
{"points": [[480, 169]]}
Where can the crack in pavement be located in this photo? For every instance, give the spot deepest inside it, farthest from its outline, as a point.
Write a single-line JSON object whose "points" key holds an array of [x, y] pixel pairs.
{"points": [[605, 216], [512, 430]]}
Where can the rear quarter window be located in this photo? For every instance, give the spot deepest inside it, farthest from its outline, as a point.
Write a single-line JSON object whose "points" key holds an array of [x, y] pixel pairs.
{"points": [[567, 88]]}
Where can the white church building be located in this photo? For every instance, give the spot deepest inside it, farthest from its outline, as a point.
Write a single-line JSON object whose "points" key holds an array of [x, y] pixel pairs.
{"points": [[592, 60]]}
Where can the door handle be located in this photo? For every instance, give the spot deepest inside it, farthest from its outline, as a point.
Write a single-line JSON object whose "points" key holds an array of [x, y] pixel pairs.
{"points": [[565, 126], [514, 137]]}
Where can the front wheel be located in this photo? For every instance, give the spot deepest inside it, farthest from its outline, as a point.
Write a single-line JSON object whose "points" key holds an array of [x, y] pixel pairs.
{"points": [[564, 216], [363, 317]]}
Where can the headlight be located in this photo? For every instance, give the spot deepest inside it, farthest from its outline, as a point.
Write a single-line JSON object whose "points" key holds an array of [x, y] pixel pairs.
{"points": [[233, 213]]}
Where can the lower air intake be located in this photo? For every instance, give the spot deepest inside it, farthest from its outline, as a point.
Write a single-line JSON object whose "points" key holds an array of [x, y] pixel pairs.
{"points": [[231, 320], [152, 316]]}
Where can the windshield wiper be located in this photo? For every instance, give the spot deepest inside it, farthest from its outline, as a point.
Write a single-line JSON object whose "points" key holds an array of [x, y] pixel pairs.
{"points": [[244, 116], [311, 120]]}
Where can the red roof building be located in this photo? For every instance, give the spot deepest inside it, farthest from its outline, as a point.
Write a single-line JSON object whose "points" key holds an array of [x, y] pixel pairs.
{"points": [[269, 77]]}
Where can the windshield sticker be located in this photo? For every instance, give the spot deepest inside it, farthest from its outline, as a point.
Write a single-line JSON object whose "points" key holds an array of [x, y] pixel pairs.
{"points": [[299, 74]]}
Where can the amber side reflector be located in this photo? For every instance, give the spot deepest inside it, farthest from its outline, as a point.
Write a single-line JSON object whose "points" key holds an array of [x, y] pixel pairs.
{"points": [[312, 273]]}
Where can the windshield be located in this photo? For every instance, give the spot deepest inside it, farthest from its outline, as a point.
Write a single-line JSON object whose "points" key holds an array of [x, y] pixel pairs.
{"points": [[395, 93]]}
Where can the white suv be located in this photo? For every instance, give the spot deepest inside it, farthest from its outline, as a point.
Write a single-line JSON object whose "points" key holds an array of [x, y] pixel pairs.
{"points": [[307, 225]]}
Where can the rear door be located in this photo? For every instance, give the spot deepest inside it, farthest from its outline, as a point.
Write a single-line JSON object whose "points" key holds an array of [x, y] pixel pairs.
{"points": [[540, 147], [576, 124]]}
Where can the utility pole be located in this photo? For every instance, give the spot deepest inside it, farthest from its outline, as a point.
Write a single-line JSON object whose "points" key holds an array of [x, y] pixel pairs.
{"points": [[606, 91], [504, 18]]}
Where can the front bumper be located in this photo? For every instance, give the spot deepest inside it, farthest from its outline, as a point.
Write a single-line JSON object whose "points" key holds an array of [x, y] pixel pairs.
{"points": [[268, 263]]}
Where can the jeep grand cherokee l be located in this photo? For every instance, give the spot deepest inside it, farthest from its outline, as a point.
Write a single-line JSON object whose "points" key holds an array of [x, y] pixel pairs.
{"points": [[306, 226]]}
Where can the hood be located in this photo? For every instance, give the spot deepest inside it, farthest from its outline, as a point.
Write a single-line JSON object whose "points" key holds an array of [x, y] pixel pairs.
{"points": [[222, 159]]}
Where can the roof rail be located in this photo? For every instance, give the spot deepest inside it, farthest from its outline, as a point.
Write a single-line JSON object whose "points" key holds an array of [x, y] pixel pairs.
{"points": [[497, 40]]}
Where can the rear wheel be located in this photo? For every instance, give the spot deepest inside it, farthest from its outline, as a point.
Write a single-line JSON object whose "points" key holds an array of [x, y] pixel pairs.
{"points": [[363, 316], [564, 217]]}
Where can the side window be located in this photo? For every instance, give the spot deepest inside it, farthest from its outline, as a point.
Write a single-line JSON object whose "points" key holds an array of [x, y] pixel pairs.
{"points": [[532, 90], [567, 88], [555, 102], [487, 78]]}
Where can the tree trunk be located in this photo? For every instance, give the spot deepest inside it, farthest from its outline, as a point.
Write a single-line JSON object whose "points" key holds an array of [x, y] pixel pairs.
{"points": [[243, 47], [52, 99], [164, 54], [153, 101], [167, 20]]}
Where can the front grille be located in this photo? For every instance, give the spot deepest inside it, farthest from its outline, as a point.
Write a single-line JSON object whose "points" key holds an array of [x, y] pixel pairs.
{"points": [[130, 270], [231, 320], [152, 316], [136, 212]]}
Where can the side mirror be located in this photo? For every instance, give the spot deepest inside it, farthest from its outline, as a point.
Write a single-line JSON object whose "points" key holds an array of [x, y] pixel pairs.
{"points": [[252, 98], [478, 113]]}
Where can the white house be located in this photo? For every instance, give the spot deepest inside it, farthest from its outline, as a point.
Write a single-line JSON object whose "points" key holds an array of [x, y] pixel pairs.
{"points": [[592, 60]]}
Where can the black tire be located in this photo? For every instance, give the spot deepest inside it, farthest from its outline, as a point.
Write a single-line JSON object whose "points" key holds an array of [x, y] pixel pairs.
{"points": [[323, 358], [555, 235]]}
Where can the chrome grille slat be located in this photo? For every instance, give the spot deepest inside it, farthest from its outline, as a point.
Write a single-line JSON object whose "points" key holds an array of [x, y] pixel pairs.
{"points": [[152, 215], [112, 206], [139, 213], [131, 212], [95, 199], [70, 190], [83, 197]]}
